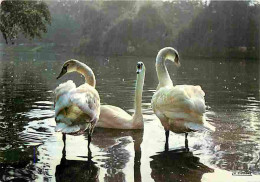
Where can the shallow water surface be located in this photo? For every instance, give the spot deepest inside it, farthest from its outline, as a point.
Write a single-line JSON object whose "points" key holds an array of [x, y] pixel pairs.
{"points": [[30, 150]]}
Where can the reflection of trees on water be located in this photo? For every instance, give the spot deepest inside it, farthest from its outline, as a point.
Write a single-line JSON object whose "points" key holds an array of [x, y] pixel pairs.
{"points": [[20, 87], [75, 170], [114, 143], [17, 95], [177, 165]]}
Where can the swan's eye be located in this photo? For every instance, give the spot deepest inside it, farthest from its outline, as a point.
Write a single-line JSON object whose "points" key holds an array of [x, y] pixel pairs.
{"points": [[139, 65]]}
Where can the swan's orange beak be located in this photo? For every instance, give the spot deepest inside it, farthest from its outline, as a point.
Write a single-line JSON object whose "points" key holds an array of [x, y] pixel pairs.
{"points": [[63, 72]]}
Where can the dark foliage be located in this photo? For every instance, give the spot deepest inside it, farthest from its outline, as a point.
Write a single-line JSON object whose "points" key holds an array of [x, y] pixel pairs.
{"points": [[217, 29], [223, 29], [26, 17]]}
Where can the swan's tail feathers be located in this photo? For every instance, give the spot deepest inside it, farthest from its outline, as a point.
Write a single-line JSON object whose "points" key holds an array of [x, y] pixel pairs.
{"points": [[199, 105], [209, 126], [196, 96], [64, 128], [197, 126], [74, 129]]}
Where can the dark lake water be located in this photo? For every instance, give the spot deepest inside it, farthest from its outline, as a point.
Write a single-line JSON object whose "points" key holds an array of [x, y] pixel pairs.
{"points": [[30, 150]]}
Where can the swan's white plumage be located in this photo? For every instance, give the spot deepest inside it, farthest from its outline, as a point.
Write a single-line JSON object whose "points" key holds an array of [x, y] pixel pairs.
{"points": [[81, 104], [62, 93], [180, 108], [181, 104], [76, 108], [116, 118]]}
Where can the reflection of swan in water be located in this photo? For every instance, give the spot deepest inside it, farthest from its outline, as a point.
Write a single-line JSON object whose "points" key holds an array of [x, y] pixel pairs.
{"points": [[75, 170], [77, 108], [114, 143], [180, 108], [117, 118], [177, 165]]}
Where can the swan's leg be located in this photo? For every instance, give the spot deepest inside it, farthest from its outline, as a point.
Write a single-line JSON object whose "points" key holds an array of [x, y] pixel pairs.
{"points": [[89, 151], [166, 148], [186, 142], [64, 138], [89, 140], [64, 142]]}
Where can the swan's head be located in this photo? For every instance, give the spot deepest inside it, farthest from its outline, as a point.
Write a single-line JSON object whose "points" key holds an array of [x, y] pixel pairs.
{"points": [[140, 68], [169, 53], [69, 66]]}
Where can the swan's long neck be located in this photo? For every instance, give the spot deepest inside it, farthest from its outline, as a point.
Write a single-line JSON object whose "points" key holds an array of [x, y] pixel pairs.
{"points": [[138, 117], [162, 72], [87, 73]]}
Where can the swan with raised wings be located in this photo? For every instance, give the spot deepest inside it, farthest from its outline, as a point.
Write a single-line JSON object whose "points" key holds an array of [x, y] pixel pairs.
{"points": [[180, 108], [76, 108], [117, 118]]}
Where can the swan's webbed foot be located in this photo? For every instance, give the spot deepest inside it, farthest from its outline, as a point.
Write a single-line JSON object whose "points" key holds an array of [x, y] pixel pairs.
{"points": [[166, 147], [186, 143]]}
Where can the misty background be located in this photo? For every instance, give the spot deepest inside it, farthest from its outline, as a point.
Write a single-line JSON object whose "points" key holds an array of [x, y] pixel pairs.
{"points": [[110, 37], [141, 28]]}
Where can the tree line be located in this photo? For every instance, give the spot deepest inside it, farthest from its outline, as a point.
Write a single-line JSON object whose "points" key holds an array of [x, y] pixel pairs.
{"points": [[195, 28], [223, 29]]}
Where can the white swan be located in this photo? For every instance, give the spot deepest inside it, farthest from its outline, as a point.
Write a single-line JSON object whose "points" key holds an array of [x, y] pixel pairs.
{"points": [[180, 108], [117, 118], [76, 108]]}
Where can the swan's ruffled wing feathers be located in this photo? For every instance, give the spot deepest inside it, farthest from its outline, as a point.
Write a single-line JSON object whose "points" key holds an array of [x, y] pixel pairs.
{"points": [[182, 101], [170, 99], [196, 96], [62, 96], [87, 99], [181, 97], [64, 88], [76, 109]]}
